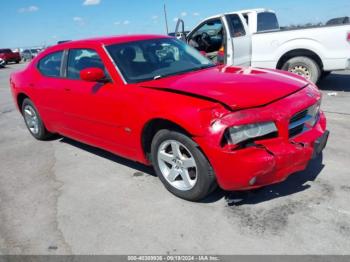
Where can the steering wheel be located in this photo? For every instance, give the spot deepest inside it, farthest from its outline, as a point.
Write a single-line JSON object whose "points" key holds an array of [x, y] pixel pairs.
{"points": [[202, 41]]}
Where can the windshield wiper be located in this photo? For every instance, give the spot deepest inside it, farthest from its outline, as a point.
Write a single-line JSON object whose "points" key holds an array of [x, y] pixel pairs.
{"points": [[184, 71]]}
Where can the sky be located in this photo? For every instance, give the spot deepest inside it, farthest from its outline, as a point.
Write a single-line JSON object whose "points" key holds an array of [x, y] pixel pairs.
{"points": [[28, 23]]}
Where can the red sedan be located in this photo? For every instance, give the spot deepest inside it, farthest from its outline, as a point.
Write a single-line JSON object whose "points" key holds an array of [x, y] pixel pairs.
{"points": [[155, 100]]}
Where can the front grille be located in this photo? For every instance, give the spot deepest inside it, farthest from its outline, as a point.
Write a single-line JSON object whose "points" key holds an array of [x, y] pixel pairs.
{"points": [[296, 131], [303, 120]]}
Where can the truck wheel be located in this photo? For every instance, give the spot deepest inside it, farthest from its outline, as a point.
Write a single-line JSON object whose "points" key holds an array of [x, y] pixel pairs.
{"points": [[33, 121], [181, 165], [303, 66]]}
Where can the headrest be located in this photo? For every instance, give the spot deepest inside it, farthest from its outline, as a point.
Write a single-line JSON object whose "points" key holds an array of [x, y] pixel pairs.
{"points": [[128, 53]]}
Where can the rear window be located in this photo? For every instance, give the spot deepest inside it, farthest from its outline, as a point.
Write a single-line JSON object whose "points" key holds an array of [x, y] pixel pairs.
{"points": [[267, 21], [50, 65]]}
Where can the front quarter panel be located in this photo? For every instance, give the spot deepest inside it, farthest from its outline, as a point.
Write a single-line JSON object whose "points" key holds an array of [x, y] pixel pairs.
{"points": [[144, 105]]}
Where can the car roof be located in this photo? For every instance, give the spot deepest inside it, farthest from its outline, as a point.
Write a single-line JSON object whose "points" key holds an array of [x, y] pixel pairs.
{"points": [[106, 41], [256, 10]]}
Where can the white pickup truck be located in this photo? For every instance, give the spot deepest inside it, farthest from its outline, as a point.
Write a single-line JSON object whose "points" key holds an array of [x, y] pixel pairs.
{"points": [[254, 38]]}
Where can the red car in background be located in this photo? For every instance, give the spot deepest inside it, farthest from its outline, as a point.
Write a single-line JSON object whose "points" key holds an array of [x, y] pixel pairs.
{"points": [[8, 56], [156, 100]]}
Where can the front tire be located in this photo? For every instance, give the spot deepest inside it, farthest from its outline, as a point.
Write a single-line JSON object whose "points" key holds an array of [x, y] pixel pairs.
{"points": [[181, 166], [303, 66], [33, 120]]}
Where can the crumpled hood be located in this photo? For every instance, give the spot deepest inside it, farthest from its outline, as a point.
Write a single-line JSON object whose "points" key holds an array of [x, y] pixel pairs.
{"points": [[235, 87]]}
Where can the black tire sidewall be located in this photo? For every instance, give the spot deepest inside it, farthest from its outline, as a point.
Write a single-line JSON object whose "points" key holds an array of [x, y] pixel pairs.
{"points": [[309, 63], [43, 133], [205, 176]]}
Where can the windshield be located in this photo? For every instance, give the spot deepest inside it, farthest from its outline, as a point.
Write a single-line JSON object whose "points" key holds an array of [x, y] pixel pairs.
{"points": [[156, 58]]}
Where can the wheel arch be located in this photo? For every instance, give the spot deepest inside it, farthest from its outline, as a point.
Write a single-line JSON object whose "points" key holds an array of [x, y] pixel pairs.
{"points": [[19, 99], [299, 52], [152, 127]]}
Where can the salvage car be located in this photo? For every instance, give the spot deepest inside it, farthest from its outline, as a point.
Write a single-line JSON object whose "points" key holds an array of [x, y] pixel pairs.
{"points": [[158, 101], [29, 54], [254, 37]]}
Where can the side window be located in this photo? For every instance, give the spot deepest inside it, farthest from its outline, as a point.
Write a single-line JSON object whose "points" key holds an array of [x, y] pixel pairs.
{"points": [[246, 18], [50, 65], [267, 21], [237, 28], [79, 59]]}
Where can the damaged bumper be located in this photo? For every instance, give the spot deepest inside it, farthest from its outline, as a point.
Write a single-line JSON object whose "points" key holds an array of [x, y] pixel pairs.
{"points": [[267, 161]]}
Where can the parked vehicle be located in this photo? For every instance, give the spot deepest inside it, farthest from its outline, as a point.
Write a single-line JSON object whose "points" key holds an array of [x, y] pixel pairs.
{"points": [[156, 100], [254, 38], [9, 56], [29, 54], [2, 63], [339, 21]]}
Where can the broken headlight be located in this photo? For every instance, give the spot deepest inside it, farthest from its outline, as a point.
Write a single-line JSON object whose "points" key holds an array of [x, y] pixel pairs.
{"points": [[239, 134]]}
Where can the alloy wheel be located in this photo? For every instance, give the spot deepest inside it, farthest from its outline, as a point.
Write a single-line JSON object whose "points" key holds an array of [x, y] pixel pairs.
{"points": [[31, 119], [177, 165]]}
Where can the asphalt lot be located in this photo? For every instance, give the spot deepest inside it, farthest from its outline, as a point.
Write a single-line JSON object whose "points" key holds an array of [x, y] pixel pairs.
{"points": [[63, 197]]}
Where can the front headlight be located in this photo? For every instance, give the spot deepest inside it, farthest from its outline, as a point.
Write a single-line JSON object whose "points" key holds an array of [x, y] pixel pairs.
{"points": [[238, 134], [313, 114]]}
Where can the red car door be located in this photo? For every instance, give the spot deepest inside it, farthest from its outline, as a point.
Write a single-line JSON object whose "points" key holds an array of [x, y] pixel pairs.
{"points": [[92, 110], [45, 84]]}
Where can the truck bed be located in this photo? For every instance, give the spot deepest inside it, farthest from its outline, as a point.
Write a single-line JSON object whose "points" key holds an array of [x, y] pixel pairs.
{"points": [[328, 42], [300, 28]]}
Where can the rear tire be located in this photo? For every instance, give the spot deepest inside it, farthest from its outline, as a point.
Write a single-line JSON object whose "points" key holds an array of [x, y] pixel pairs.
{"points": [[304, 66], [173, 171], [33, 121]]}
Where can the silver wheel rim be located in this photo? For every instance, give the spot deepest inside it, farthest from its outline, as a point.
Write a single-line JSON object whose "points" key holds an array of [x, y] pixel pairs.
{"points": [[301, 70], [177, 165], [31, 119]]}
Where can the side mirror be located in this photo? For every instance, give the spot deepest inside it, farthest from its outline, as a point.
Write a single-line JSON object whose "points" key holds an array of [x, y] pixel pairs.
{"points": [[93, 74]]}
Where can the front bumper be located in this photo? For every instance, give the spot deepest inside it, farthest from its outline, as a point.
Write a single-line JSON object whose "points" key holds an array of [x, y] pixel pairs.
{"points": [[268, 162], [272, 160]]}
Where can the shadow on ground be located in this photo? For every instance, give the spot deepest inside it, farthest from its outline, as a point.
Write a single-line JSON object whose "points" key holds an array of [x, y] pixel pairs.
{"points": [[110, 156], [335, 82], [294, 184]]}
